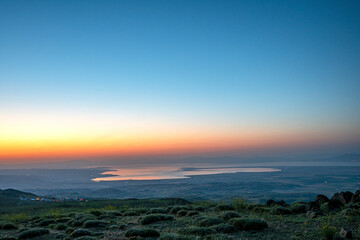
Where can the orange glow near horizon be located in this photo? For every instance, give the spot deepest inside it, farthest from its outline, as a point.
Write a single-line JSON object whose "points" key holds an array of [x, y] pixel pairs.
{"points": [[44, 138], [138, 145]]}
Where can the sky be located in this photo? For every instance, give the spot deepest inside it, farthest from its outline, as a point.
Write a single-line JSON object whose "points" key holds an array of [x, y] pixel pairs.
{"points": [[89, 79]]}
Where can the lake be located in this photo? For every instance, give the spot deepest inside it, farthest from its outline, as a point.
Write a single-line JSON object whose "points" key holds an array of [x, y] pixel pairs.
{"points": [[172, 172]]}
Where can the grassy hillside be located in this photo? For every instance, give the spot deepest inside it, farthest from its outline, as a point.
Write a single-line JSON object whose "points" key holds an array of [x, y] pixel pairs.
{"points": [[171, 219]]}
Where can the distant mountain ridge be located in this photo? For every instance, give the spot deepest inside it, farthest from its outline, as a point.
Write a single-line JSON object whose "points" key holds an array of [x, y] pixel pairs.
{"points": [[11, 196]]}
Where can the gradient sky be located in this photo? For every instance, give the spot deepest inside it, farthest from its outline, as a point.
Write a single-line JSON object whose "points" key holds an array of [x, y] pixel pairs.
{"points": [[106, 78]]}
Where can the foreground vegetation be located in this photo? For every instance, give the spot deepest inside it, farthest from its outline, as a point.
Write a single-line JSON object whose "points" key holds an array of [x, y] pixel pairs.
{"points": [[177, 219]]}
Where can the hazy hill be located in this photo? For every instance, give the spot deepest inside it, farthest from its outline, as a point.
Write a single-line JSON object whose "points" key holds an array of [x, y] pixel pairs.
{"points": [[12, 196]]}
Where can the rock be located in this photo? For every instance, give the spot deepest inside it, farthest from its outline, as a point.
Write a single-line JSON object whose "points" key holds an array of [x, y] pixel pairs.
{"points": [[282, 203], [356, 197], [313, 206], [345, 233], [270, 203], [343, 197], [335, 204], [312, 214], [348, 196], [320, 199]]}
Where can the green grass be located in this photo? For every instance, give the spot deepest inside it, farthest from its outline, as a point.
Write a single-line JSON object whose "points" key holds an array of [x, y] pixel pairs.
{"points": [[173, 219]]}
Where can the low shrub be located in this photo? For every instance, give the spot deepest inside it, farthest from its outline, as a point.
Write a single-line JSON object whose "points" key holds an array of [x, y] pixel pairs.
{"points": [[7, 238], [94, 223], [248, 224], [350, 212], [46, 222], [175, 210], [280, 210], [259, 209], [172, 236], [96, 213], [298, 207], [60, 236], [31, 233], [198, 231], [223, 207], [229, 215], [112, 214], [182, 213], [328, 233], [63, 220], [149, 219], [239, 204], [60, 226], [8, 226], [192, 213], [86, 238], [199, 209], [225, 228], [131, 213], [75, 223], [324, 208], [157, 210], [142, 233], [208, 222], [118, 226], [80, 233], [69, 231]]}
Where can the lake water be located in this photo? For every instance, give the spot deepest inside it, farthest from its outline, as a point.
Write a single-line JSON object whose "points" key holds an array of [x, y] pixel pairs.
{"points": [[173, 172]]}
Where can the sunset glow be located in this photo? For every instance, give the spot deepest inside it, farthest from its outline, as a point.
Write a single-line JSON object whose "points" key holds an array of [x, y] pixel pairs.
{"points": [[121, 81]]}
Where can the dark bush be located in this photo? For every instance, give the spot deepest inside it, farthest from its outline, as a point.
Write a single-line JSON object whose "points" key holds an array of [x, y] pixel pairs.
{"points": [[192, 213], [94, 223], [63, 220], [198, 218], [69, 231], [46, 222], [174, 210], [61, 236], [112, 214], [131, 213], [199, 209], [80, 232], [7, 238], [281, 210], [298, 207], [60, 226], [182, 213], [157, 210], [35, 232], [171, 236], [229, 215], [75, 223], [8, 226], [96, 213], [86, 238], [260, 209], [224, 207], [149, 219], [248, 224], [142, 233], [208, 222], [225, 228], [198, 231]]}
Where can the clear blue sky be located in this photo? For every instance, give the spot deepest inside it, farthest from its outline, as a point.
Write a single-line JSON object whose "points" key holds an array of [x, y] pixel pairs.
{"points": [[289, 67]]}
